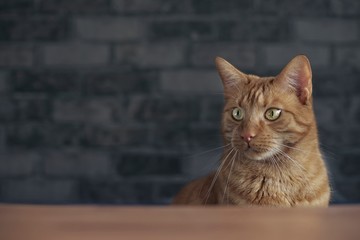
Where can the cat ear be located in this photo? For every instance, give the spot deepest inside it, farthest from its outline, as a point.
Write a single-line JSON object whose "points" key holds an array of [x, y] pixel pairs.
{"points": [[229, 75], [297, 76]]}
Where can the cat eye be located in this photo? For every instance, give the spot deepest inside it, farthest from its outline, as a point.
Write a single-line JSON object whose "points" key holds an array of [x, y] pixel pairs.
{"points": [[238, 113], [272, 114]]}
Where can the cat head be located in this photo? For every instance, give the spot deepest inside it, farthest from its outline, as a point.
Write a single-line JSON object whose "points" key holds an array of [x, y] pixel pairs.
{"points": [[262, 115]]}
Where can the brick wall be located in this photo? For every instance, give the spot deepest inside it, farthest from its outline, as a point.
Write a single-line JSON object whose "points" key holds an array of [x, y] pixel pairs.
{"points": [[116, 101]]}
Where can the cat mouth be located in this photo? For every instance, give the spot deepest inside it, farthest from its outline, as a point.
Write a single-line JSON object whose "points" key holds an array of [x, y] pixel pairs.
{"points": [[255, 154]]}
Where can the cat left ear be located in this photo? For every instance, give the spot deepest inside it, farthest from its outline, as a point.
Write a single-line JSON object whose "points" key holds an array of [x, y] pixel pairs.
{"points": [[297, 76], [230, 75]]}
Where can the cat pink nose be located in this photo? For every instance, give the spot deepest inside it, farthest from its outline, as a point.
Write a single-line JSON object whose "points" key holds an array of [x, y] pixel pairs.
{"points": [[247, 137]]}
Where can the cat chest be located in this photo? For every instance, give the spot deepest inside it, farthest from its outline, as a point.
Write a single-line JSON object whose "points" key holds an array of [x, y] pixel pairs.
{"points": [[264, 190]]}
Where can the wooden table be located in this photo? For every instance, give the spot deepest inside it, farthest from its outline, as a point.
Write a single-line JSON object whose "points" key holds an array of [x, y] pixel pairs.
{"points": [[26, 222]]}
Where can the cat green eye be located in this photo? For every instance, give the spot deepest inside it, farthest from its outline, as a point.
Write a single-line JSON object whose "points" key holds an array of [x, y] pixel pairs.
{"points": [[238, 113], [272, 114]]}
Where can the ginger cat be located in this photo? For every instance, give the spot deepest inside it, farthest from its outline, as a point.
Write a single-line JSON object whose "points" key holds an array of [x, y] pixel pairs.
{"points": [[271, 152]]}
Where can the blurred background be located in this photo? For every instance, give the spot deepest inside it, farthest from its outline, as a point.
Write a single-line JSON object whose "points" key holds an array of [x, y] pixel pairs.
{"points": [[118, 101]]}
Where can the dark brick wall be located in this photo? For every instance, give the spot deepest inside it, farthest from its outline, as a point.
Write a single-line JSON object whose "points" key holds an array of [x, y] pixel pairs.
{"points": [[115, 101]]}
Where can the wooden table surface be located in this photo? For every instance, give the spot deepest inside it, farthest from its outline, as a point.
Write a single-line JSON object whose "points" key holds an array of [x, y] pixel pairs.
{"points": [[39, 222]]}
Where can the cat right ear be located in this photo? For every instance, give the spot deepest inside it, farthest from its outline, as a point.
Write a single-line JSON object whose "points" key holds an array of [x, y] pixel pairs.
{"points": [[229, 75], [297, 77]]}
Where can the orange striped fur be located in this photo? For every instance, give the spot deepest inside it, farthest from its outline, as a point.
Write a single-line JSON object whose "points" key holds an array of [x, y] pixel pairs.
{"points": [[267, 163]]}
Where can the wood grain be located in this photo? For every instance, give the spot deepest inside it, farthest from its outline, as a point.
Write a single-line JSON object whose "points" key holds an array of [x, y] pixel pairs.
{"points": [[20, 222]]}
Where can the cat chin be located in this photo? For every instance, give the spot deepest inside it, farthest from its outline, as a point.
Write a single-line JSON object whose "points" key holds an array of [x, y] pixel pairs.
{"points": [[253, 154], [256, 156]]}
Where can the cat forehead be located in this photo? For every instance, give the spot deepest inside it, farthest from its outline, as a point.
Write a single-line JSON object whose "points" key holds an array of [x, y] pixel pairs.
{"points": [[256, 92]]}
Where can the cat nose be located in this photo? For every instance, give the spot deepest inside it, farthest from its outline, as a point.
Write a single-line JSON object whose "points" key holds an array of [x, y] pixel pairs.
{"points": [[247, 137]]}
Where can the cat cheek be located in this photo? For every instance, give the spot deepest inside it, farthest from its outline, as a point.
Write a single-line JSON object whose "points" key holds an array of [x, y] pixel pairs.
{"points": [[237, 142]]}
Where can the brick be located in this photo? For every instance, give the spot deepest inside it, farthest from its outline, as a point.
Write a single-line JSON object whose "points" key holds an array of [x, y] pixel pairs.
{"points": [[16, 56], [327, 30], [191, 81], [33, 135], [350, 165], [229, 7], [330, 83], [29, 108], [165, 54], [345, 7], [33, 28], [72, 163], [348, 57], [7, 110], [18, 6], [18, 164], [330, 122], [48, 82], [299, 8], [25, 135], [353, 113], [202, 162], [74, 6], [136, 136], [2, 138], [204, 136], [4, 76], [349, 189], [171, 136], [330, 138], [112, 83], [75, 54], [39, 191], [267, 29], [350, 82], [150, 6], [127, 54], [327, 111], [350, 135], [119, 192], [242, 55], [162, 109], [137, 164], [232, 6], [212, 108], [114, 135], [89, 111], [108, 28], [177, 29], [203, 6], [278, 55]]}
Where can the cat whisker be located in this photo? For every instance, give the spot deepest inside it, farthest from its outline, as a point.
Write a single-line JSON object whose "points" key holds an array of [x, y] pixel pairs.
{"points": [[217, 93], [286, 146], [298, 149], [227, 182], [229, 163], [295, 163], [216, 175], [210, 150], [275, 162], [326, 148]]}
